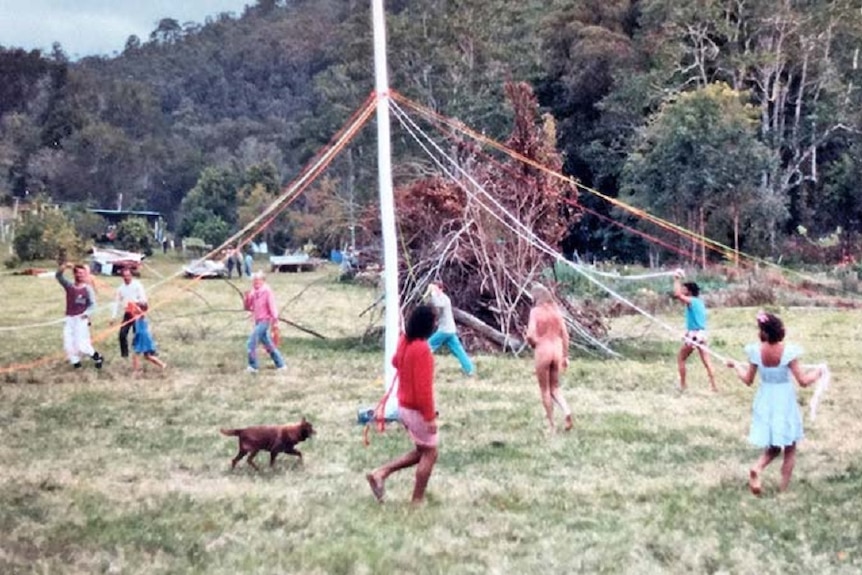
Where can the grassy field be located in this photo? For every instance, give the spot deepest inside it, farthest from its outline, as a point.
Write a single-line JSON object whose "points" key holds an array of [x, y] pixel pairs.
{"points": [[105, 473]]}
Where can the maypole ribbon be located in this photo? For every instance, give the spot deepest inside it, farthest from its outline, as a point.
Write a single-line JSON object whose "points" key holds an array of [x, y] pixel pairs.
{"points": [[379, 417], [821, 387]]}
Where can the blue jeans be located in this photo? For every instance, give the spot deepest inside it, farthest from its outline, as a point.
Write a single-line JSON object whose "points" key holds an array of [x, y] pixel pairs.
{"points": [[454, 344], [260, 335]]}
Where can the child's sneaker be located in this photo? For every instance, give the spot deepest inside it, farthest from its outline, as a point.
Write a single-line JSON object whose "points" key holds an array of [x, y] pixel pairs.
{"points": [[251, 369], [98, 359]]}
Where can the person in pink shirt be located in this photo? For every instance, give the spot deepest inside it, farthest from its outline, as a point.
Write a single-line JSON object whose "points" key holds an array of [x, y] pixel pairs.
{"points": [[261, 303]]}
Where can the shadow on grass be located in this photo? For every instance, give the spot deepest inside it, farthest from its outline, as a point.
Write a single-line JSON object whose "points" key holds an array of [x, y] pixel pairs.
{"points": [[283, 469]]}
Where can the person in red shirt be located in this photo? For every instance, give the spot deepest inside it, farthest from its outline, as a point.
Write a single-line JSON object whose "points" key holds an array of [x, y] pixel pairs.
{"points": [[416, 409]]}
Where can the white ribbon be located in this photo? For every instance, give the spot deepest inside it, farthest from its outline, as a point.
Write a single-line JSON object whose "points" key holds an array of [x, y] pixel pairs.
{"points": [[819, 389], [618, 276]]}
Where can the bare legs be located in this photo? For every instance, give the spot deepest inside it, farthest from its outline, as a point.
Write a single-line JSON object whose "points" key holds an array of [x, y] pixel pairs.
{"points": [[136, 362], [768, 455], [787, 466], [549, 387], [704, 357], [423, 457], [427, 459], [155, 361], [682, 357]]}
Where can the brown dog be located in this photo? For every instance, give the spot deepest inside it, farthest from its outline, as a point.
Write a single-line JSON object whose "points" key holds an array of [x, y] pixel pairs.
{"points": [[273, 438]]}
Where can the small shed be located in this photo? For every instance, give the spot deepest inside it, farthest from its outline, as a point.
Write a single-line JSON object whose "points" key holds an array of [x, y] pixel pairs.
{"points": [[114, 217]]}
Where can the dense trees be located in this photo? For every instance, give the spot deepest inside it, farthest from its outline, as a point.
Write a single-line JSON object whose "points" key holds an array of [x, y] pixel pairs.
{"points": [[736, 118], [698, 163]]}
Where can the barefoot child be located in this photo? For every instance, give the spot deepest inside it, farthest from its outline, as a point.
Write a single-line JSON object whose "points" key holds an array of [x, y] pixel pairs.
{"points": [[776, 422], [143, 343], [548, 336], [447, 332], [695, 326], [416, 409]]}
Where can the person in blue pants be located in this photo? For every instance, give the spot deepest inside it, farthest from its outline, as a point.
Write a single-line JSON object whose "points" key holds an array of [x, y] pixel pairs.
{"points": [[446, 332]]}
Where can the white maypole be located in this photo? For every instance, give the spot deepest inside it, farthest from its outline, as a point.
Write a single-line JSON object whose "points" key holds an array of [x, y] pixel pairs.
{"points": [[387, 203]]}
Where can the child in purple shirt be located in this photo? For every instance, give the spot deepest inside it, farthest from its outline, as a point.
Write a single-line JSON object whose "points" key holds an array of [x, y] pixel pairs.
{"points": [[80, 303]]}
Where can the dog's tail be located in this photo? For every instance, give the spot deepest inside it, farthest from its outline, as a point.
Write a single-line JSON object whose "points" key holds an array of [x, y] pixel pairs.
{"points": [[229, 431]]}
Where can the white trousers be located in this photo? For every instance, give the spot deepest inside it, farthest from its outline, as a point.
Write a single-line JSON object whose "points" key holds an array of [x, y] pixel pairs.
{"points": [[76, 338]]}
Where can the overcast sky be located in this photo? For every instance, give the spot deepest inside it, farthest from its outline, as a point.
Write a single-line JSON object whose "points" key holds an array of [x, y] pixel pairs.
{"points": [[97, 27]]}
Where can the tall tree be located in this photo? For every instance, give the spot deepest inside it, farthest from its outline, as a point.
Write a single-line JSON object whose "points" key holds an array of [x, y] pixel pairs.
{"points": [[214, 197], [791, 56], [698, 159]]}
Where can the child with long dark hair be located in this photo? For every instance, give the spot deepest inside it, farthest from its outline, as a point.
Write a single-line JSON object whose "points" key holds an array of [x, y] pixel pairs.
{"points": [[695, 329], [776, 422], [416, 408]]}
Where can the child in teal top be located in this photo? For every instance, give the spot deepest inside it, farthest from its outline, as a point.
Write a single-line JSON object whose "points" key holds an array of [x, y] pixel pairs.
{"points": [[695, 311], [695, 325]]}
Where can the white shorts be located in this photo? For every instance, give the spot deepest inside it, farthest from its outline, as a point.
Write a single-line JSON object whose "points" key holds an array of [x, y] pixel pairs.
{"points": [[76, 338], [695, 338]]}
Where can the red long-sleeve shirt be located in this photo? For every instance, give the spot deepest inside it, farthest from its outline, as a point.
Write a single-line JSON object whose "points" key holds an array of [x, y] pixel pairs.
{"points": [[415, 365]]}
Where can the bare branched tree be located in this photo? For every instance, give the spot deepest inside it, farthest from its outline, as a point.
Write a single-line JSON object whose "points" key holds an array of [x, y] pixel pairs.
{"points": [[459, 230]]}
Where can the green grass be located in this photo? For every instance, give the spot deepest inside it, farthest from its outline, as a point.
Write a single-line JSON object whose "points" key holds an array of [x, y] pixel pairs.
{"points": [[106, 473]]}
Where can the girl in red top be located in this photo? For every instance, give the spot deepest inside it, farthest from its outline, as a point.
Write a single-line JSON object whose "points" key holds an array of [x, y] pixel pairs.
{"points": [[416, 409]]}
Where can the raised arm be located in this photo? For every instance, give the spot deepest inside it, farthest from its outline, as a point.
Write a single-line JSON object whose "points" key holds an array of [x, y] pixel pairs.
{"points": [[677, 290], [61, 278]]}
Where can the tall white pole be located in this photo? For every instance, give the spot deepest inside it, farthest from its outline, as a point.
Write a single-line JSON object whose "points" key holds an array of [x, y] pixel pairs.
{"points": [[387, 204]]}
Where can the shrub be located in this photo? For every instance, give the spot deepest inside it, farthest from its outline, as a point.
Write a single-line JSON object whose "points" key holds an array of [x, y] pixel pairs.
{"points": [[134, 234], [46, 234], [212, 230]]}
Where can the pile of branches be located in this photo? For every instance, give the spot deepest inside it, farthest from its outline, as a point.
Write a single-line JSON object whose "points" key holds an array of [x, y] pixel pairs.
{"points": [[459, 230]]}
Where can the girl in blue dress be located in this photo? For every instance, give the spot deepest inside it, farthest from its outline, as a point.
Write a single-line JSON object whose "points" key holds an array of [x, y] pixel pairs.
{"points": [[776, 422], [143, 343]]}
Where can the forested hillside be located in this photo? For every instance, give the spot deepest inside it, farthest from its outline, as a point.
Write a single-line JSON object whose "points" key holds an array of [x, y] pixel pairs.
{"points": [[738, 119]]}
